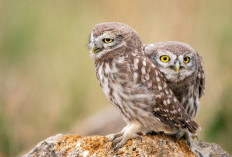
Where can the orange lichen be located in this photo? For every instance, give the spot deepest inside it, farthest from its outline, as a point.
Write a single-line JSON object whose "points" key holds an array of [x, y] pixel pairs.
{"points": [[93, 143], [67, 143], [96, 145], [74, 145]]}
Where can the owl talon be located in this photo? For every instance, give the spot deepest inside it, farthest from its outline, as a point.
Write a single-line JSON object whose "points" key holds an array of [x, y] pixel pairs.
{"points": [[194, 136], [180, 134], [121, 143], [127, 133], [117, 135], [183, 134], [139, 138], [112, 137], [116, 141], [122, 140]]}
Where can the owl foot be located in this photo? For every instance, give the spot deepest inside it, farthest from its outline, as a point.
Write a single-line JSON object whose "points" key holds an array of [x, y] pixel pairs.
{"points": [[185, 135], [121, 138], [111, 137]]}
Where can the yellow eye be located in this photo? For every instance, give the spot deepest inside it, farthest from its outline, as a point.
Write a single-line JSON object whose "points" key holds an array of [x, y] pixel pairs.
{"points": [[107, 40], [186, 59], [164, 58]]}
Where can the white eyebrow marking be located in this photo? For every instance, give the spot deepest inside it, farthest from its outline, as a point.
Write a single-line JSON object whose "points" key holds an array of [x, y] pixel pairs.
{"points": [[105, 35]]}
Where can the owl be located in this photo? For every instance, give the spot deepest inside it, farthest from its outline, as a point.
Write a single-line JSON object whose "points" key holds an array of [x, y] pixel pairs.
{"points": [[135, 85], [182, 68]]}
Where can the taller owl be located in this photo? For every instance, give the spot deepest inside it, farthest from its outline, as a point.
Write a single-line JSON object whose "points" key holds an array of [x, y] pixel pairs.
{"points": [[182, 67], [135, 85]]}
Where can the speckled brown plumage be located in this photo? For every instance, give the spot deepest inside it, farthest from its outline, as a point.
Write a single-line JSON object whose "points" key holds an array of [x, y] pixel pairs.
{"points": [[190, 86], [134, 84]]}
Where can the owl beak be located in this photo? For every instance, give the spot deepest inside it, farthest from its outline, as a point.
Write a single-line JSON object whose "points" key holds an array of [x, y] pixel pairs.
{"points": [[96, 49], [177, 66]]}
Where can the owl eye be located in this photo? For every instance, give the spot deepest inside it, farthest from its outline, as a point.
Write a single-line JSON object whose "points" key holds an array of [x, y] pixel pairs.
{"points": [[164, 58], [186, 59], [107, 40]]}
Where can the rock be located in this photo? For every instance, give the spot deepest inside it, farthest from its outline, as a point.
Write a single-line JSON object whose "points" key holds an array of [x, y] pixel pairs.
{"points": [[75, 145]]}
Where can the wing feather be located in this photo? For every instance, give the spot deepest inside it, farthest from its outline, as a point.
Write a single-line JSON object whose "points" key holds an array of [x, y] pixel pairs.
{"points": [[165, 107]]}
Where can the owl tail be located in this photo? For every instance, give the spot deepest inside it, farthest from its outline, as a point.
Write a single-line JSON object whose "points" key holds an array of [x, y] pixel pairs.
{"points": [[193, 127]]}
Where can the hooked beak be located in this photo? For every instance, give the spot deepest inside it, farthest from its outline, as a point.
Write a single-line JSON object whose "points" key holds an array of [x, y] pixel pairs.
{"points": [[177, 66], [96, 49]]}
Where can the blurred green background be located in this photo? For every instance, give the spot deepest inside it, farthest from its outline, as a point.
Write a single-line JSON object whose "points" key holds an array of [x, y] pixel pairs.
{"points": [[47, 80]]}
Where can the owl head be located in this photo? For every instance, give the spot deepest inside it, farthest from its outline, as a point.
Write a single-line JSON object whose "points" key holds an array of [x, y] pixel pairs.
{"points": [[177, 61], [110, 39]]}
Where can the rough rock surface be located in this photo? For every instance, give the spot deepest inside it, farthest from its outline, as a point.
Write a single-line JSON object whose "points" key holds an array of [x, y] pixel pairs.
{"points": [[74, 145]]}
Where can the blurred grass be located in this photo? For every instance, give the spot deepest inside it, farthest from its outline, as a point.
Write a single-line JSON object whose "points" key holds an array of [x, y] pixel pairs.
{"points": [[48, 80], [220, 128]]}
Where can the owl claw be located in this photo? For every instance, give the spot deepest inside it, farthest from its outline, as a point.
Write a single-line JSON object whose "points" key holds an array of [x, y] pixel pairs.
{"points": [[121, 138], [139, 138], [121, 143], [194, 136], [183, 134], [118, 135], [112, 137], [116, 141]]}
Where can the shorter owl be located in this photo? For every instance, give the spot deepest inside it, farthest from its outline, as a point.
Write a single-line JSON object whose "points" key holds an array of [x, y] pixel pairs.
{"points": [[182, 67]]}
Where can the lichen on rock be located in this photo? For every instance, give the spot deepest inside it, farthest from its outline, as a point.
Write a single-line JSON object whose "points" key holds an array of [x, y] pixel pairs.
{"points": [[97, 146]]}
